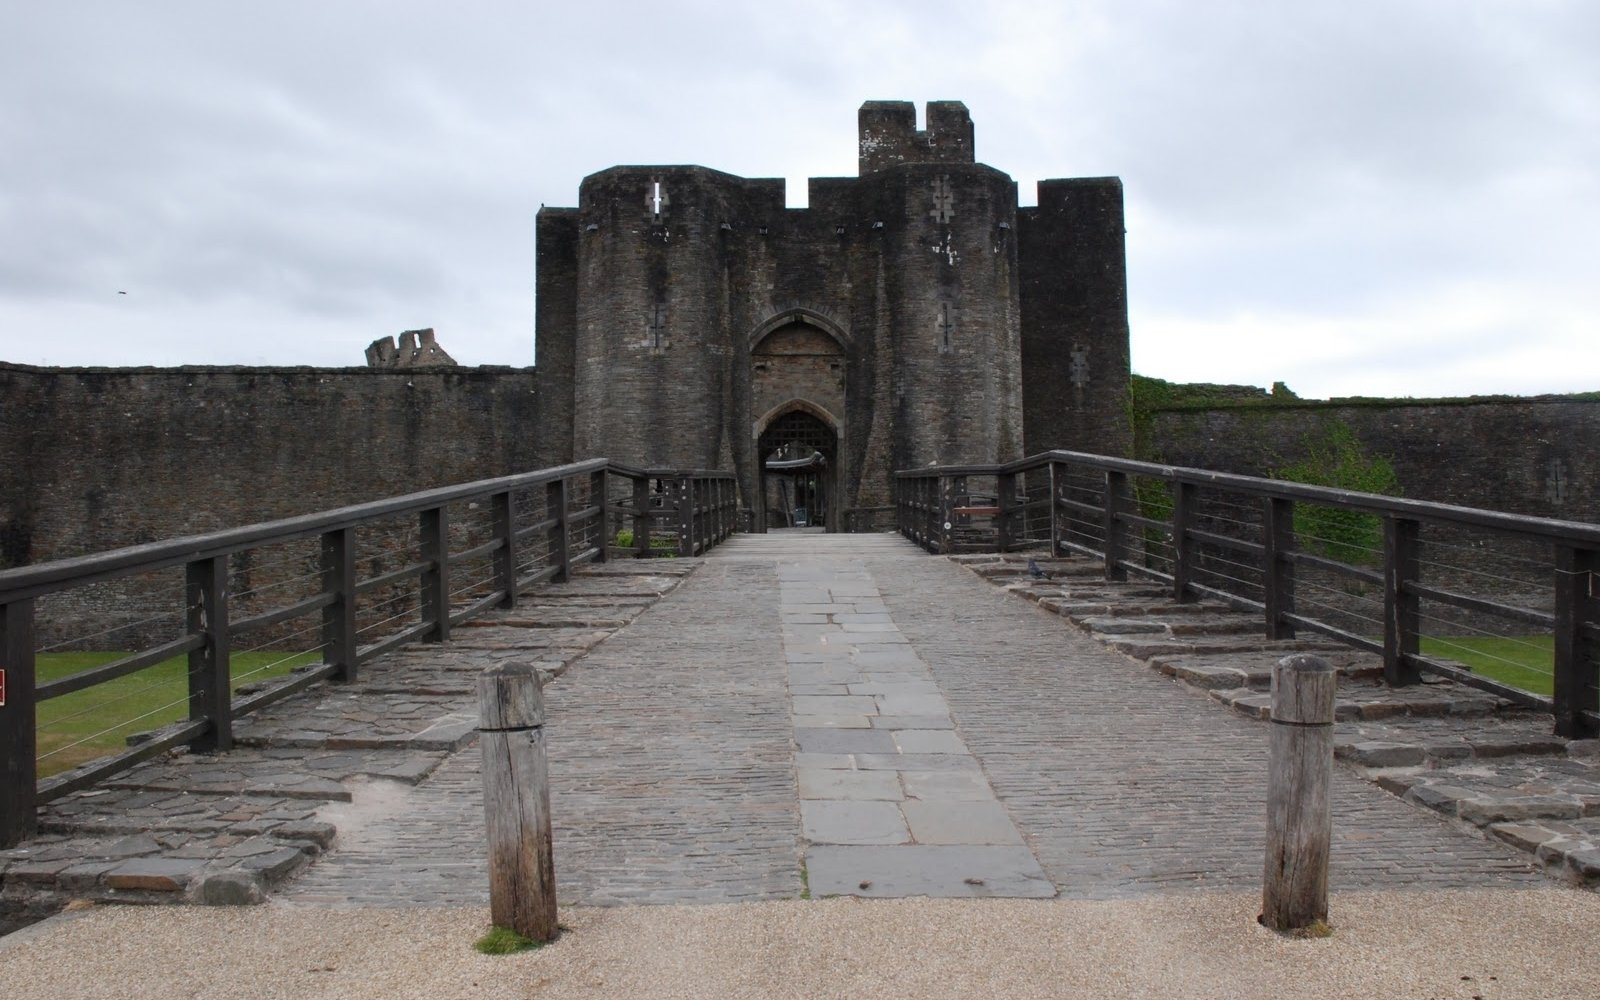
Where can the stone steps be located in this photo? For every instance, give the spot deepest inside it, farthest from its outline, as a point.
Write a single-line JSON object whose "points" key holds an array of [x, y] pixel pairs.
{"points": [[227, 828], [1441, 745]]}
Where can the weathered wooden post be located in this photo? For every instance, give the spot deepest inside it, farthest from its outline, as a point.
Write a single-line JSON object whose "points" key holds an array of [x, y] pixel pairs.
{"points": [[516, 801], [1402, 608], [210, 683], [18, 733], [1185, 553], [1577, 603], [1300, 771], [1277, 568], [1113, 526]]}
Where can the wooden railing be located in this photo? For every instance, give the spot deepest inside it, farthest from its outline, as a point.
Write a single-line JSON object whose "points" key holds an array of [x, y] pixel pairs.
{"points": [[525, 529], [1432, 570]]}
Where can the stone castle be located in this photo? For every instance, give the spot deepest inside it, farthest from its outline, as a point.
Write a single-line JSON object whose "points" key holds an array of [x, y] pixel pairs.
{"points": [[911, 315]]}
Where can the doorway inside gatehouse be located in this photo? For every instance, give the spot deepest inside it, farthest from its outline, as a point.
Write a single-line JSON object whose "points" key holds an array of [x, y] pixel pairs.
{"points": [[799, 465]]}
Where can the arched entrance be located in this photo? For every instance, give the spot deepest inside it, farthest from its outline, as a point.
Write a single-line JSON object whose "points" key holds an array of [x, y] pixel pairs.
{"points": [[798, 458]]}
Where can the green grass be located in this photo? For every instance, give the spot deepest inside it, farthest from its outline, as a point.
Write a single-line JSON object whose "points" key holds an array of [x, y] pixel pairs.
{"points": [[78, 727], [505, 941], [663, 546], [1521, 661]]}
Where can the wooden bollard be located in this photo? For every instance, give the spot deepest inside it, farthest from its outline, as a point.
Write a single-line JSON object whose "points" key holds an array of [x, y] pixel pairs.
{"points": [[1300, 771], [516, 801]]}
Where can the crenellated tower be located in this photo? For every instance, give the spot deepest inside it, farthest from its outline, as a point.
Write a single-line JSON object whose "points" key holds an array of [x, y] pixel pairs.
{"points": [[897, 321]]}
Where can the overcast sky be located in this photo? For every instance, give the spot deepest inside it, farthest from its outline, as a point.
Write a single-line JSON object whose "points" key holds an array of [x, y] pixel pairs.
{"points": [[1380, 197]]}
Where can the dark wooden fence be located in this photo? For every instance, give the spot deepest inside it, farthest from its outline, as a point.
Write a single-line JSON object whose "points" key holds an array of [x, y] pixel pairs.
{"points": [[1430, 569], [539, 526]]}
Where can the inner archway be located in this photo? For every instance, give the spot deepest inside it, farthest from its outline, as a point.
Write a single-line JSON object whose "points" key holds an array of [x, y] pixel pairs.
{"points": [[798, 459]]}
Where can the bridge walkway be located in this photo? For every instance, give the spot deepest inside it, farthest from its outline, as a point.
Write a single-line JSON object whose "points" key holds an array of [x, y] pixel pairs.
{"points": [[843, 714]]}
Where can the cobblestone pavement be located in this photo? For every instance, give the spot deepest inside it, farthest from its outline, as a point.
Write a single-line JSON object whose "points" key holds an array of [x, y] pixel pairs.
{"points": [[227, 828], [1478, 761], [671, 772], [1125, 782], [843, 708]]}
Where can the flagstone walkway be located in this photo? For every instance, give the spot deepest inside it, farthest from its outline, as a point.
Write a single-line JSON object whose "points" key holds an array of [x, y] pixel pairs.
{"points": [[796, 714]]}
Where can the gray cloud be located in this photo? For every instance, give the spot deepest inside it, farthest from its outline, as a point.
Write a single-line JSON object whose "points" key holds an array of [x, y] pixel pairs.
{"points": [[1362, 197]]}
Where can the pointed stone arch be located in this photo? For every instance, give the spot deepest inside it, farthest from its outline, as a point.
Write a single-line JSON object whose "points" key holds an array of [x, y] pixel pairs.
{"points": [[767, 419], [806, 316], [814, 486]]}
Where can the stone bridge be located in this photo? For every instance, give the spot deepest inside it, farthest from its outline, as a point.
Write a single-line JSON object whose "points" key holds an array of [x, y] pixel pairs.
{"points": [[797, 714]]}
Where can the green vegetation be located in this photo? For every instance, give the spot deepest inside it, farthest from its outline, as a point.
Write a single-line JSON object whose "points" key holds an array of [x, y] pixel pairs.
{"points": [[1153, 498], [661, 545], [1526, 662], [505, 941], [1339, 460], [78, 727]]}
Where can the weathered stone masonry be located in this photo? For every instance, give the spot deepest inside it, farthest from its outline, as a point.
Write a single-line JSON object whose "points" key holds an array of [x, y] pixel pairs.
{"points": [[98, 458], [914, 313]]}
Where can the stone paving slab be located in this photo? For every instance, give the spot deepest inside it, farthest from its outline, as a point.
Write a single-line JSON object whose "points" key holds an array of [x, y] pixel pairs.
{"points": [[1253, 669], [1410, 741], [926, 870], [1371, 702]]}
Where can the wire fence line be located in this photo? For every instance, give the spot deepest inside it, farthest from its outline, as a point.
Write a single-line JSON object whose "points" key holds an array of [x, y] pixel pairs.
{"points": [[289, 603], [1432, 588]]}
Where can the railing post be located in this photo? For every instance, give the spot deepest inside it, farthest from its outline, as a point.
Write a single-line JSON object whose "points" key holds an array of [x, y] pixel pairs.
{"points": [[516, 801], [683, 487], [1006, 500], [641, 517], [1577, 653], [339, 618], [1277, 567], [1185, 552], [1055, 509], [697, 489], [597, 497], [560, 545], [1299, 776], [1402, 610], [19, 746], [505, 557], [433, 525], [210, 687], [947, 513], [1115, 528]]}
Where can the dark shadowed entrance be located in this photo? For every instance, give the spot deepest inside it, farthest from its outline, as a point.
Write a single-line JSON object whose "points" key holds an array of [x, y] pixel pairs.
{"points": [[799, 461]]}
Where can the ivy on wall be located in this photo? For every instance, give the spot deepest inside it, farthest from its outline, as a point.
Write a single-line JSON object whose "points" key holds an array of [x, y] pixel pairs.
{"points": [[1338, 459]]}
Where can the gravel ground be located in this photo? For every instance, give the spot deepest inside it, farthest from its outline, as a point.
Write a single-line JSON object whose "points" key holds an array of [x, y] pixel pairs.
{"points": [[1523, 944]]}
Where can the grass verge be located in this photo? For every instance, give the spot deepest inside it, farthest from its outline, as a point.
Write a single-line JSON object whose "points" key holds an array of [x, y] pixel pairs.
{"points": [[1526, 662], [76, 728]]}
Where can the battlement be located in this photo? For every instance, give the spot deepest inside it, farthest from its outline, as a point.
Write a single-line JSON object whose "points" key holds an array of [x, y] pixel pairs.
{"points": [[889, 134]]}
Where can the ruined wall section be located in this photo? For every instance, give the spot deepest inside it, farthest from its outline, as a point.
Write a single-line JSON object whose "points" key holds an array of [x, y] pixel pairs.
{"points": [[1075, 318], [106, 457]]}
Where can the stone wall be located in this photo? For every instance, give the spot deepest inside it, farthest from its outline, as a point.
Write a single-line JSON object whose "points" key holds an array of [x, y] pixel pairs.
{"points": [[1536, 455], [104, 457]]}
